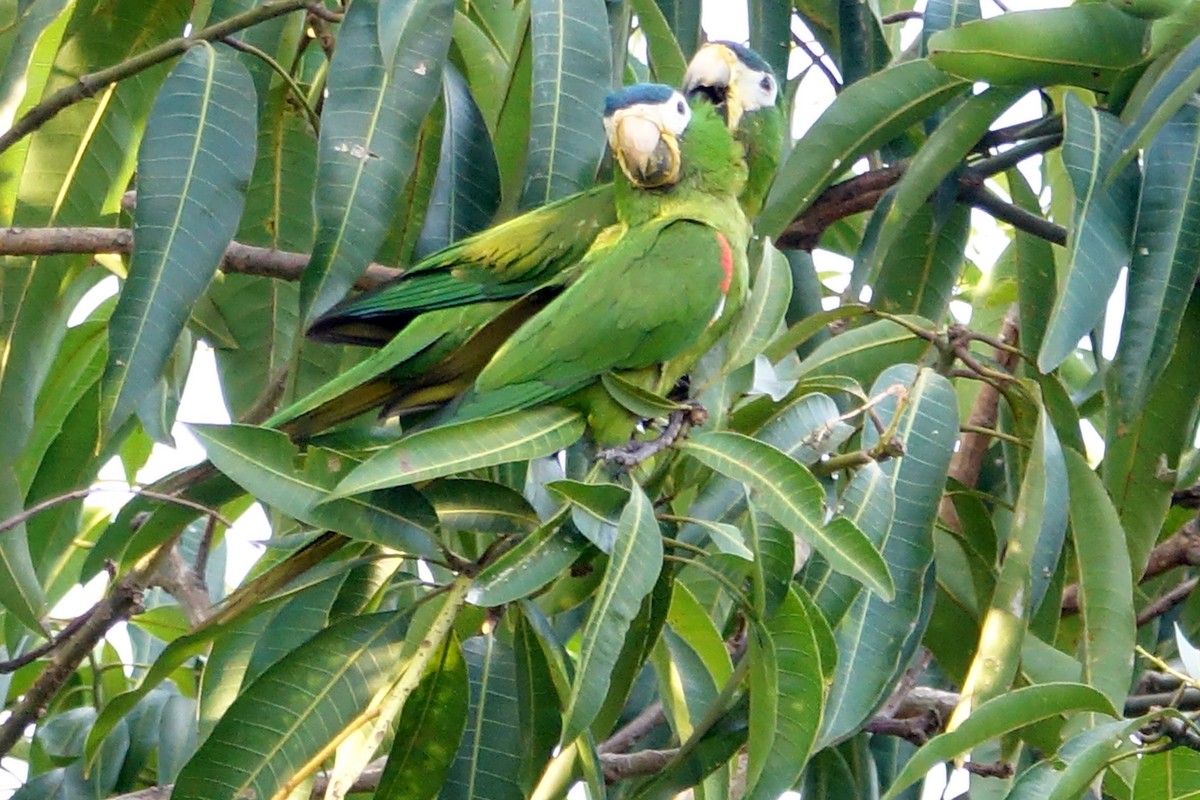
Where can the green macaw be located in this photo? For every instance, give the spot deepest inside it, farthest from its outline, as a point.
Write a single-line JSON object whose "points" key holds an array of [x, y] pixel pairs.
{"points": [[658, 287], [463, 294], [539, 249], [651, 301]]}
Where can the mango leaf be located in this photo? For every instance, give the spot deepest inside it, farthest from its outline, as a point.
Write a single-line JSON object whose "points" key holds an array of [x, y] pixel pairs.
{"points": [[20, 589], [489, 756], [864, 116], [1170, 93], [1036, 287], [1105, 584], [264, 462], [759, 320], [532, 563], [998, 716], [863, 353], [571, 65], [783, 731], [683, 18], [632, 570], [941, 154], [875, 637], [791, 495], [516, 436], [1175, 773], [1085, 45], [286, 717], [919, 271], [1102, 236], [369, 129], [1166, 260], [193, 166], [466, 190], [667, 63]]}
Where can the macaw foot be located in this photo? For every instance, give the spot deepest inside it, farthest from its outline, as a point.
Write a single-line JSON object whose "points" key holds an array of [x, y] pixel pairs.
{"points": [[636, 451]]}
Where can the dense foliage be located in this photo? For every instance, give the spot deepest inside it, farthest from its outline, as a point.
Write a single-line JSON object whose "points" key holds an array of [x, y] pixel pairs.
{"points": [[902, 537]]}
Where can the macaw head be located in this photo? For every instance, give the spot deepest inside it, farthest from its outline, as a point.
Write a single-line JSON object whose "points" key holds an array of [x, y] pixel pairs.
{"points": [[644, 123], [733, 78]]}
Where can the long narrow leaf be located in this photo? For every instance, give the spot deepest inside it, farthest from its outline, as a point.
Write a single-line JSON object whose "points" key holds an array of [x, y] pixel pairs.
{"points": [[193, 167]]}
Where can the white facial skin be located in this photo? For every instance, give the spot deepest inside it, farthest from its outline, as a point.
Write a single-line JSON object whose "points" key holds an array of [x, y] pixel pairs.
{"points": [[746, 89], [644, 138], [755, 89]]}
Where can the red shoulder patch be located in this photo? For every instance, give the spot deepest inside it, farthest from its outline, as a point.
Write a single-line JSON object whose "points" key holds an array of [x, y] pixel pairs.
{"points": [[726, 263]]}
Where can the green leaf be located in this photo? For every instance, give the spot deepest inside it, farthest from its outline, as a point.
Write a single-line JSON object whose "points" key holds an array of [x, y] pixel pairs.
{"points": [[429, 729], [760, 318], [369, 130], [632, 570], [571, 76], [532, 563], [944, 151], [1036, 287], [667, 63], [921, 267], [864, 116], [771, 32], [999, 716], [869, 501], [1085, 45], [516, 436], [863, 353], [466, 504], [1166, 260], [1102, 237], [1105, 583], [1135, 452], [264, 463], [783, 732], [20, 590], [193, 166], [634, 398], [539, 714], [1170, 93], [288, 715], [1175, 773], [488, 763], [790, 494], [875, 637], [683, 18], [466, 191]]}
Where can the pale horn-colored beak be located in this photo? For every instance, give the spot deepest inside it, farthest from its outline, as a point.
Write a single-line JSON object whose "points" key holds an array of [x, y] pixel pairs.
{"points": [[711, 74], [648, 155]]}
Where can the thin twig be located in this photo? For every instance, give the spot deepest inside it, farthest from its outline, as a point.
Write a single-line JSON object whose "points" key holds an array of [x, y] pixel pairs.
{"points": [[979, 196], [277, 68], [88, 85], [76, 494], [1172, 598], [901, 16], [818, 62], [650, 718]]}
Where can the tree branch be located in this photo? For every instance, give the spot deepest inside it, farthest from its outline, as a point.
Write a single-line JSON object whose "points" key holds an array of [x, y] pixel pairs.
{"points": [[88, 85], [239, 258]]}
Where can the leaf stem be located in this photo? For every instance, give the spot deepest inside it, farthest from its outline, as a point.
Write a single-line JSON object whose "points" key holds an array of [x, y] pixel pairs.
{"points": [[277, 68]]}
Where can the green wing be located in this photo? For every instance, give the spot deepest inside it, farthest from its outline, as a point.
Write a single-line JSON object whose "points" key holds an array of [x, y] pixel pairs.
{"points": [[640, 302], [503, 262]]}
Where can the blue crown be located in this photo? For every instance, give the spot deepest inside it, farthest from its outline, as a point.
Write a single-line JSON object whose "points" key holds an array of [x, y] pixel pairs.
{"points": [[649, 93], [748, 57]]}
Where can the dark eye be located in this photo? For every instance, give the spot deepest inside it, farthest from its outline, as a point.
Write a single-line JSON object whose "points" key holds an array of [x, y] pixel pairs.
{"points": [[765, 83], [679, 107]]}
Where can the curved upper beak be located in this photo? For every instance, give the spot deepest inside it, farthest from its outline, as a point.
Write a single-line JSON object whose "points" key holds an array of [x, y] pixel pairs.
{"points": [[647, 154], [711, 74]]}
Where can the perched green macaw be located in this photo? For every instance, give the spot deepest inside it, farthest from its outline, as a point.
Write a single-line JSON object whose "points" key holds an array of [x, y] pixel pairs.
{"points": [[743, 87], [663, 289], [539, 249], [529, 258], [659, 285]]}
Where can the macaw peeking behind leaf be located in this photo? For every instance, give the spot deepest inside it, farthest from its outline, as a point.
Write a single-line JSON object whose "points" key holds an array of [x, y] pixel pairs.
{"points": [[541, 248], [660, 285]]}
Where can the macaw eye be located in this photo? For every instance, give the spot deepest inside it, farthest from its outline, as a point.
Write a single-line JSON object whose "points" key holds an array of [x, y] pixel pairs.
{"points": [[765, 83], [679, 107]]}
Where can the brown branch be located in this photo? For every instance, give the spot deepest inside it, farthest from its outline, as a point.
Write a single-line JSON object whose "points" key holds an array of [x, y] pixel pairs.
{"points": [[967, 462], [1162, 605], [239, 258], [88, 85], [853, 196], [900, 16], [650, 718], [122, 602], [979, 196], [1181, 549], [622, 766]]}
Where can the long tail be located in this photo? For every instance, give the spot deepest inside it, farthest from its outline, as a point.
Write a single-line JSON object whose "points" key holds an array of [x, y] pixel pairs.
{"points": [[370, 395]]}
